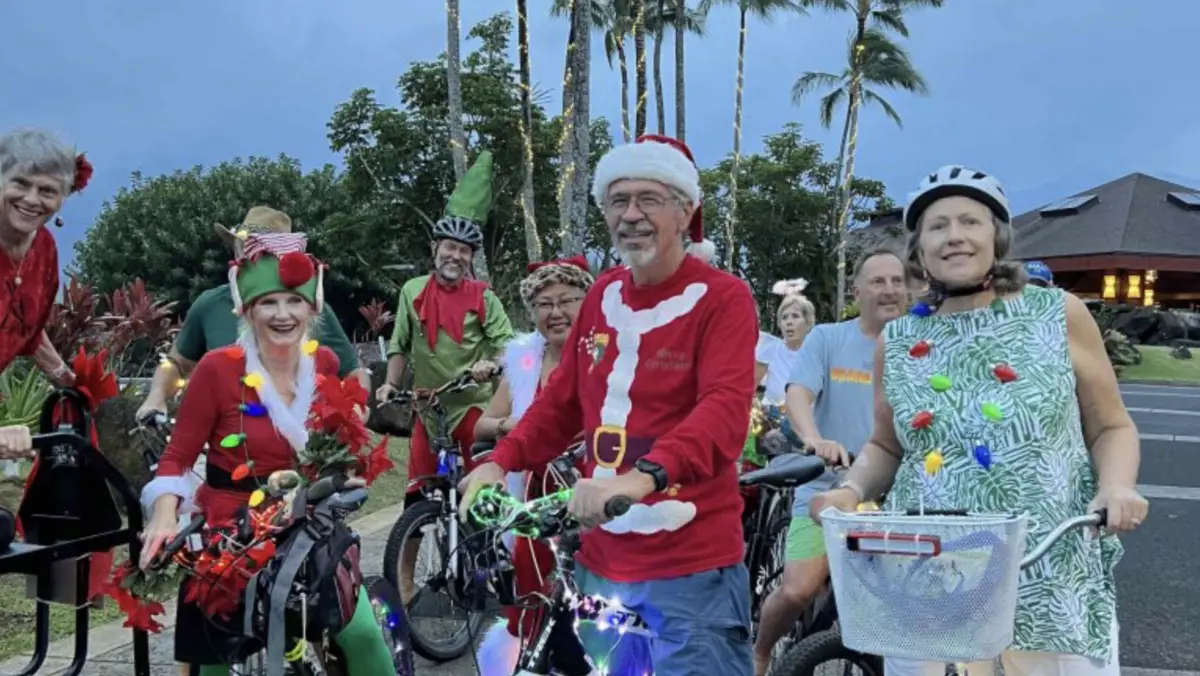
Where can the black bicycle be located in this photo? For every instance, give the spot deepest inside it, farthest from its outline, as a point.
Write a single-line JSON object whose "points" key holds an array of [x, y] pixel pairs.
{"points": [[288, 600], [554, 646], [446, 596]]}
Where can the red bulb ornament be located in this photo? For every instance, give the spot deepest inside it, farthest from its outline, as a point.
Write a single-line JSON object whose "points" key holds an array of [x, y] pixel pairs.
{"points": [[922, 420], [1004, 373], [921, 349]]}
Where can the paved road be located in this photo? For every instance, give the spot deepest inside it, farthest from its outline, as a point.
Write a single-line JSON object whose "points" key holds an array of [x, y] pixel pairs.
{"points": [[1157, 580]]}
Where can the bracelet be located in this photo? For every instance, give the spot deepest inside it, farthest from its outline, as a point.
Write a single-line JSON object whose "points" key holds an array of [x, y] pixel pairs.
{"points": [[60, 371]]}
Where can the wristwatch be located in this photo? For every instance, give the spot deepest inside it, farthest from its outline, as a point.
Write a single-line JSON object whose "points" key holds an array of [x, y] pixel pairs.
{"points": [[655, 471]]}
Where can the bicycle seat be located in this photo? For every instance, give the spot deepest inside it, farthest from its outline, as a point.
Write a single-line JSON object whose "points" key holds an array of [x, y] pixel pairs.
{"points": [[786, 471]]}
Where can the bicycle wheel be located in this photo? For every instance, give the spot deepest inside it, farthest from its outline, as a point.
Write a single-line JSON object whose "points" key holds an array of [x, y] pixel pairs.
{"points": [[440, 628], [768, 574], [823, 653], [389, 615]]}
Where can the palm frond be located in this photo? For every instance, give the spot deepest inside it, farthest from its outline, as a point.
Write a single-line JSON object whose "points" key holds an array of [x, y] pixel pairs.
{"points": [[890, 19], [871, 97], [811, 81], [829, 105]]}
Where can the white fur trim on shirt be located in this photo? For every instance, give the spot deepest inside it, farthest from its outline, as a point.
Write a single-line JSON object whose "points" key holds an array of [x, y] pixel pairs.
{"points": [[523, 368], [289, 421], [650, 161], [704, 250], [184, 487]]}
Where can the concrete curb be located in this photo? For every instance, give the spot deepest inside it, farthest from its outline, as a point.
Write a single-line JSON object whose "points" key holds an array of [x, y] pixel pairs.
{"points": [[108, 637], [1164, 383]]}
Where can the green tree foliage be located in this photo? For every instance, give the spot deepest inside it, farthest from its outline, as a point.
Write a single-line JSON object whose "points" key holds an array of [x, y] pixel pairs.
{"points": [[161, 229], [399, 165], [784, 201]]}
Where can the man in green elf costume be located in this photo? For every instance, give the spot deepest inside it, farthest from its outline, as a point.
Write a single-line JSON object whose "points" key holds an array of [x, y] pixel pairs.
{"points": [[211, 322], [448, 323]]}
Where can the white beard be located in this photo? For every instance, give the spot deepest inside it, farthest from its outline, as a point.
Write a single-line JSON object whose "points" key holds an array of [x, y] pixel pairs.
{"points": [[636, 258]]}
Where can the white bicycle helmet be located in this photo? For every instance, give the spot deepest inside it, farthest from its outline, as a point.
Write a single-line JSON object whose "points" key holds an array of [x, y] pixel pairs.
{"points": [[458, 229], [956, 179]]}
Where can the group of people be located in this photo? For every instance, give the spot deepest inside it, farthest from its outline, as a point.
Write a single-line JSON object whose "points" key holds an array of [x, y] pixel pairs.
{"points": [[654, 365]]}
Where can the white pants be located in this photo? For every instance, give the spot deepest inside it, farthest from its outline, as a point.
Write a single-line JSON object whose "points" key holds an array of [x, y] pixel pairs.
{"points": [[1016, 663]]}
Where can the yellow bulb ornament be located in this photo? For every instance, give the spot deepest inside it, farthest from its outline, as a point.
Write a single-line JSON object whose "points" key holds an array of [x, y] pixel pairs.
{"points": [[257, 497], [310, 347], [242, 234], [933, 462], [254, 380]]}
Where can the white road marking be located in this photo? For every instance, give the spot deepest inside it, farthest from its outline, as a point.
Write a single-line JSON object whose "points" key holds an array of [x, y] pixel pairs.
{"points": [[1169, 492], [1175, 438], [1161, 411]]}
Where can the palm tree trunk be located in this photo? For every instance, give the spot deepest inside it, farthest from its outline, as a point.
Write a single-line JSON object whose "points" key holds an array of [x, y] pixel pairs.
{"points": [[533, 244], [575, 152], [639, 51], [856, 78], [731, 225], [458, 136], [624, 59], [680, 99], [659, 105]]}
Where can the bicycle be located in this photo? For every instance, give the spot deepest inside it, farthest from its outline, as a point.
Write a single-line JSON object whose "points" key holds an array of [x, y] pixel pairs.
{"points": [[436, 515], [287, 589], [555, 647], [874, 546]]}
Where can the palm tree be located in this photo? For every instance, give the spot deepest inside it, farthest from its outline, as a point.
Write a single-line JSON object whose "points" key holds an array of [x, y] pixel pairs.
{"points": [[618, 23], [873, 58], [458, 136], [676, 14], [533, 243], [573, 185], [638, 10], [763, 10]]}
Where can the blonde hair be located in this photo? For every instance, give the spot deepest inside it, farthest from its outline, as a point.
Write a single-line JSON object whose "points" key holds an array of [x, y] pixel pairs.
{"points": [[1006, 276], [808, 313]]}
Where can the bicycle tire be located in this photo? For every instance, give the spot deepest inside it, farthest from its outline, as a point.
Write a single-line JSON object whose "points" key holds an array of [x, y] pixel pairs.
{"points": [[379, 589], [811, 652], [409, 523], [770, 565]]}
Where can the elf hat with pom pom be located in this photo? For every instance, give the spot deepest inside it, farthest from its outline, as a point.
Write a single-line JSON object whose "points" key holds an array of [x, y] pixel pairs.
{"points": [[657, 158], [271, 262]]}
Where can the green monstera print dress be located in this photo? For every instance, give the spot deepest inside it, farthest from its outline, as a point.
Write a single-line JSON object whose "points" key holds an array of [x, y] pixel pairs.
{"points": [[993, 390]]}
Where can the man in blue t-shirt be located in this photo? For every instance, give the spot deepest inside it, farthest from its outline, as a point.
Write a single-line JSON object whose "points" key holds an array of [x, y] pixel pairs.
{"points": [[830, 406]]}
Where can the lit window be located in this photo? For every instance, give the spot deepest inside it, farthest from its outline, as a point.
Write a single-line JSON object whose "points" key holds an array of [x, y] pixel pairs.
{"points": [[1148, 299], [1135, 286], [1151, 276], [1110, 286]]}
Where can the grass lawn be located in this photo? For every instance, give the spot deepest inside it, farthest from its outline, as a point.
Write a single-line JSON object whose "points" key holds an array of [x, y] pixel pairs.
{"points": [[1158, 364], [17, 612]]}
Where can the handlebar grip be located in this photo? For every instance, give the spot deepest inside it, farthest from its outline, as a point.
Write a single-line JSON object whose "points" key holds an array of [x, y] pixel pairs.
{"points": [[175, 545], [324, 487], [1102, 514], [617, 506]]}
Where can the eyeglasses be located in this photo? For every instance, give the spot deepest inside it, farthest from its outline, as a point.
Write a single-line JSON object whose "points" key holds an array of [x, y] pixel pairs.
{"points": [[548, 306], [649, 204]]}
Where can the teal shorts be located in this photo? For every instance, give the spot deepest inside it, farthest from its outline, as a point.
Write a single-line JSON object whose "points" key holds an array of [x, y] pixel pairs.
{"points": [[805, 539]]}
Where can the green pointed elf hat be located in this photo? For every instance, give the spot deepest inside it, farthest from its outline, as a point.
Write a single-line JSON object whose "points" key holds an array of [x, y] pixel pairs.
{"points": [[472, 198]]}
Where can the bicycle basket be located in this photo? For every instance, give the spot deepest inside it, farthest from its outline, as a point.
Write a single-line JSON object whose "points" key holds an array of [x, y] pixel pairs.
{"points": [[929, 587]]}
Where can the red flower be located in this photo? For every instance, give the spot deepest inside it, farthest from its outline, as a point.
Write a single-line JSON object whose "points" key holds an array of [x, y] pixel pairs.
{"points": [[295, 269], [377, 462], [93, 379], [83, 173]]}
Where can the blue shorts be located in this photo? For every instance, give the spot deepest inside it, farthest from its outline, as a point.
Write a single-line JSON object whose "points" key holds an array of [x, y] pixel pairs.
{"points": [[701, 624]]}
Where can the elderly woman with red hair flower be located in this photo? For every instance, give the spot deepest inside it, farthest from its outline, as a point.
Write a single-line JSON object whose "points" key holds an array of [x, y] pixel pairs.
{"points": [[552, 293], [37, 174]]}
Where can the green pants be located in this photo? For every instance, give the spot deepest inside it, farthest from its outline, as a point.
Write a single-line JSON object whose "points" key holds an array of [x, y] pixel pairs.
{"points": [[361, 643], [805, 539]]}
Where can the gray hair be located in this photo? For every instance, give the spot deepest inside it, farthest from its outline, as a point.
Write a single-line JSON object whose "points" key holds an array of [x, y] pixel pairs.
{"points": [[34, 152], [1007, 276], [808, 313]]}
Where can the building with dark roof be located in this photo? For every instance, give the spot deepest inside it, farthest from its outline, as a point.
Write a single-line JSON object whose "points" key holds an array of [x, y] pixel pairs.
{"points": [[1133, 240]]}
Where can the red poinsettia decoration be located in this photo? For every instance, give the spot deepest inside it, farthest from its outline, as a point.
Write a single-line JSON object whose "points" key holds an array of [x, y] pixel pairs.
{"points": [[139, 613], [83, 173], [338, 435]]}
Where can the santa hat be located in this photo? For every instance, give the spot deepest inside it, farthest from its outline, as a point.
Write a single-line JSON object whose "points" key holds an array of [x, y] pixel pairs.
{"points": [[657, 158]]}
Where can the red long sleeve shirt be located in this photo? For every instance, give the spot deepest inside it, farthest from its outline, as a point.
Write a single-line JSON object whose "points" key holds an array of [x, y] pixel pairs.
{"points": [[661, 372], [209, 412]]}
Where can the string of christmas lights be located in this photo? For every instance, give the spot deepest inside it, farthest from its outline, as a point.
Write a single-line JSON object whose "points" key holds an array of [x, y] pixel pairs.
{"points": [[534, 244], [568, 128], [844, 194], [731, 222], [457, 150], [639, 24]]}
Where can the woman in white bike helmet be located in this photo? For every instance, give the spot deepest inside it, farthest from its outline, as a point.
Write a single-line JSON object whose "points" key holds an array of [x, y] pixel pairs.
{"points": [[996, 396]]}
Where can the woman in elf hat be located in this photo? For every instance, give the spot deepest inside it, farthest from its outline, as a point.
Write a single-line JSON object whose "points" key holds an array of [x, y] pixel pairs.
{"points": [[258, 392], [552, 293]]}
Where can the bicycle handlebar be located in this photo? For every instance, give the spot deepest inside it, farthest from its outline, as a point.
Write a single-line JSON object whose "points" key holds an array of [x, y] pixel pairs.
{"points": [[169, 551], [541, 517], [457, 384], [1098, 519]]}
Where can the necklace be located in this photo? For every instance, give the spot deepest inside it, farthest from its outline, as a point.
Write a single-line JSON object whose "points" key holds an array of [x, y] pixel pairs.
{"points": [[18, 266]]}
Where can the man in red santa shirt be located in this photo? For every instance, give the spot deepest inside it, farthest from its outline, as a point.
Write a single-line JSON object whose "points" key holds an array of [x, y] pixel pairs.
{"points": [[657, 371]]}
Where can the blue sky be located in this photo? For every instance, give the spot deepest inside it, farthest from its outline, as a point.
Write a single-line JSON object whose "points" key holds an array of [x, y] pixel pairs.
{"points": [[1053, 96]]}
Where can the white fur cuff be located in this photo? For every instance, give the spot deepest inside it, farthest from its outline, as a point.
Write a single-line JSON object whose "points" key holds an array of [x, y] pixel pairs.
{"points": [[650, 161], [705, 250], [182, 486]]}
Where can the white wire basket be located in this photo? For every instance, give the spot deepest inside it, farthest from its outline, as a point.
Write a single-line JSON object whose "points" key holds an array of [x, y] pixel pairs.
{"points": [[928, 587]]}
